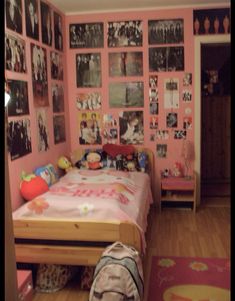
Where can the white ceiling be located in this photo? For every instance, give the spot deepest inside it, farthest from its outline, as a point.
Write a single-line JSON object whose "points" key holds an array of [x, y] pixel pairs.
{"points": [[90, 6]]}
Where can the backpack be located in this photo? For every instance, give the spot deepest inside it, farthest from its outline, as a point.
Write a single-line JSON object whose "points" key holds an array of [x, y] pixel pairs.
{"points": [[118, 275]]}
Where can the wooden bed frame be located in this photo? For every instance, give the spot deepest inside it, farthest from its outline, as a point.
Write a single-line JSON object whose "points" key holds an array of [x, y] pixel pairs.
{"points": [[72, 242]]}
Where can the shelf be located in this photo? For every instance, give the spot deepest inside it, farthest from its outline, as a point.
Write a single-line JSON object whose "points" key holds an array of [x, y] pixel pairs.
{"points": [[177, 198]]}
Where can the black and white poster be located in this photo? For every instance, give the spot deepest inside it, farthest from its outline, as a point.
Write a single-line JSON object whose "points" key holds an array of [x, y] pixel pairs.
{"points": [[42, 129], [57, 98], [46, 23], [13, 10], [57, 71], [86, 35], [58, 31], [18, 104], [32, 19], [59, 128]]}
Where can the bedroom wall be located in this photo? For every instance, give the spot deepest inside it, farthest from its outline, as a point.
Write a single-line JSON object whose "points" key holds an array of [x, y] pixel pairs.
{"points": [[174, 146], [35, 159]]}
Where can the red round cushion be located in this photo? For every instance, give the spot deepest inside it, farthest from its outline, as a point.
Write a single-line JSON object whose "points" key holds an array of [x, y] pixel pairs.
{"points": [[32, 188]]}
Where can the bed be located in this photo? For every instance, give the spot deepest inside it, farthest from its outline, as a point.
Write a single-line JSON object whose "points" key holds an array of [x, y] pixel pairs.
{"points": [[81, 214]]}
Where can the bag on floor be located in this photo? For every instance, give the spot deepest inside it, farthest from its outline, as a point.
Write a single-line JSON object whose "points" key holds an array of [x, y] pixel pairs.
{"points": [[118, 275]]}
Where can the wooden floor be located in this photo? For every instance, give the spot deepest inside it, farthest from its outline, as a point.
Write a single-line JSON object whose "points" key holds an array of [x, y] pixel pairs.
{"points": [[171, 233]]}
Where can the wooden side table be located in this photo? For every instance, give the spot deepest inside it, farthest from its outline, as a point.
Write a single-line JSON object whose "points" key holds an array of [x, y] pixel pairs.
{"points": [[178, 189]]}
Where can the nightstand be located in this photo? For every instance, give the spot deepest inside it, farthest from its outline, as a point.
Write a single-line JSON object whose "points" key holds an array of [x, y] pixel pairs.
{"points": [[178, 189]]}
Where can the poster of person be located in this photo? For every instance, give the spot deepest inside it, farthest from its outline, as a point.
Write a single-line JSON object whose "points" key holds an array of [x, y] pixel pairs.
{"points": [[88, 70], [32, 19], [153, 108], [153, 80], [59, 129], [58, 31], [89, 128], [153, 122], [172, 120], [86, 35], [88, 101], [18, 104], [109, 120], [125, 64], [162, 134], [166, 31], [15, 59], [39, 76], [126, 94], [166, 59], [131, 127], [161, 150], [187, 95], [125, 33], [110, 135], [180, 134], [57, 66], [187, 122], [171, 93], [211, 21], [13, 11], [187, 79], [19, 138], [42, 130], [57, 91], [153, 94], [46, 23]]}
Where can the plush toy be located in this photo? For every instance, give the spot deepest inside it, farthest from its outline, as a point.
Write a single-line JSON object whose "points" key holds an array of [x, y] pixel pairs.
{"points": [[32, 186], [64, 163], [93, 160], [44, 173], [129, 162]]}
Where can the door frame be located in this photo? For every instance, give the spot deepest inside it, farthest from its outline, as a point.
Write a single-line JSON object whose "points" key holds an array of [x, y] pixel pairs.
{"points": [[198, 41]]}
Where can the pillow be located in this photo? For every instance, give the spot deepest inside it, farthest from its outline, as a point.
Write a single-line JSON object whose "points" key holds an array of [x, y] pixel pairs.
{"points": [[138, 161], [48, 173], [114, 149], [53, 173]]}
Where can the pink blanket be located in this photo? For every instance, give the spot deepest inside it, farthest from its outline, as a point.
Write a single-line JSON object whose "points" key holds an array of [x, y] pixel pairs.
{"points": [[106, 195]]}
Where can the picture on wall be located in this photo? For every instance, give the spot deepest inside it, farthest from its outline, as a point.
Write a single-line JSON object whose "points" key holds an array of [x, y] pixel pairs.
{"points": [[109, 120], [187, 95], [153, 122], [32, 19], [59, 129], [166, 31], [57, 98], [171, 93], [90, 128], [187, 79], [131, 127], [110, 135], [88, 101], [172, 120], [166, 59], [187, 122], [153, 108], [42, 130], [126, 94], [15, 59], [19, 138], [18, 104], [125, 33], [39, 76], [13, 11], [58, 31], [162, 134], [180, 134], [153, 80], [88, 70], [211, 21], [161, 150], [125, 64], [57, 71], [46, 23], [86, 35]]}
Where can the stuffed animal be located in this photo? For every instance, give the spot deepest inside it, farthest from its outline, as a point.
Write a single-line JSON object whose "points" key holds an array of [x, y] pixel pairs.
{"points": [[64, 164], [93, 160], [44, 173], [32, 186]]}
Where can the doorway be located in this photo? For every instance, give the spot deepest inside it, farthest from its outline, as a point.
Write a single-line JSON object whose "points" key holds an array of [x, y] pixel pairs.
{"points": [[215, 123]]}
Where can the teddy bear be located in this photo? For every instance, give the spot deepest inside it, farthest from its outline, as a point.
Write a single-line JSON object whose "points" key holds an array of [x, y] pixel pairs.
{"points": [[93, 160]]}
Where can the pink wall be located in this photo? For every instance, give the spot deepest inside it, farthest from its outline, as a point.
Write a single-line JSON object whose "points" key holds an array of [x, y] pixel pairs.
{"points": [[35, 159], [174, 146]]}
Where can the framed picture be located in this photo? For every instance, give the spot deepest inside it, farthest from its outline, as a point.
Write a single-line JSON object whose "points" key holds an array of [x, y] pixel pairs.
{"points": [[88, 101], [211, 21], [15, 59], [32, 19], [88, 70], [126, 94], [42, 129], [39, 76], [19, 104], [172, 120], [125, 33], [171, 93], [19, 138], [86, 35], [125, 64], [166, 59], [166, 31], [57, 71], [90, 128], [59, 128], [161, 150], [13, 11], [58, 31], [46, 23], [131, 127], [57, 91]]}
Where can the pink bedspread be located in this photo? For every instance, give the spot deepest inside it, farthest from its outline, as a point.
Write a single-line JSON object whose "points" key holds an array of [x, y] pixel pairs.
{"points": [[106, 195]]}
